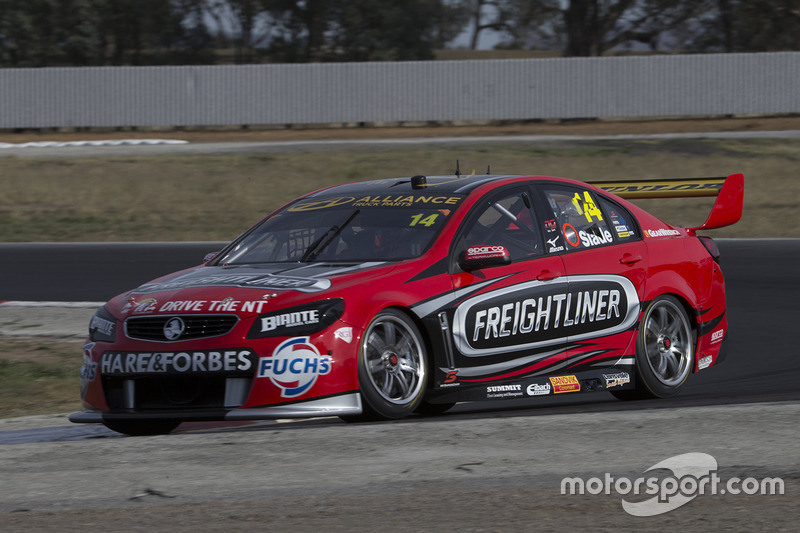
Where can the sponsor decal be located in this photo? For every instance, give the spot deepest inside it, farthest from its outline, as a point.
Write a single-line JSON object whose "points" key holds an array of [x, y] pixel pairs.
{"points": [[570, 235], [203, 306], [550, 225], [451, 377], [236, 361], [554, 245], [662, 188], [623, 231], [102, 326], [294, 366], [704, 362], [247, 281], [538, 389], [345, 334], [662, 232], [378, 200], [390, 200], [503, 391], [536, 314], [88, 368], [590, 239], [485, 252], [717, 336], [614, 380], [148, 305], [290, 320], [299, 320], [313, 205], [563, 384]]}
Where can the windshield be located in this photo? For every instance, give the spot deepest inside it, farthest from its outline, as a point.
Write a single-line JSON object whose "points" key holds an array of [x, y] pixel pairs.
{"points": [[347, 233]]}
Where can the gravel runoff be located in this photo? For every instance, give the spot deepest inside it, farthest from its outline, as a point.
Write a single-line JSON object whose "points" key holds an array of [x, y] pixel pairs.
{"points": [[492, 472], [46, 319]]}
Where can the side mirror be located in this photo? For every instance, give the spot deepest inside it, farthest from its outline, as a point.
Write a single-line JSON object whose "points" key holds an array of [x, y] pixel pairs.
{"points": [[483, 256], [209, 256]]}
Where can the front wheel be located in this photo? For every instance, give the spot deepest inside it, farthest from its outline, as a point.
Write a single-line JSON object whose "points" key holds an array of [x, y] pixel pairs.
{"points": [[664, 351], [392, 366]]}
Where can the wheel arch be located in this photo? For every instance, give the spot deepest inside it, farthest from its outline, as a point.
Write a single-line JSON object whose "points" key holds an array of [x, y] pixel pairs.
{"points": [[667, 284]]}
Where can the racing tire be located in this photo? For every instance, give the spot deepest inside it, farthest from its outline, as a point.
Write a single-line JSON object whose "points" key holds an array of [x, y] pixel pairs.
{"points": [[392, 367], [664, 351], [141, 428]]}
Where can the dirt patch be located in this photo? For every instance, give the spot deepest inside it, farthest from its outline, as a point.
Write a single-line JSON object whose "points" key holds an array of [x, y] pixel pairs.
{"points": [[395, 130]]}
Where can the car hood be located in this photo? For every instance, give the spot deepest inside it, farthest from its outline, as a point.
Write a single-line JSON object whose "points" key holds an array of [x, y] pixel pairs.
{"points": [[237, 289]]}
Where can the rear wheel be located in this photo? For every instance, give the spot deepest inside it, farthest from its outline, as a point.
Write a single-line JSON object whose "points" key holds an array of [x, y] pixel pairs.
{"points": [[138, 428], [664, 351], [392, 363]]}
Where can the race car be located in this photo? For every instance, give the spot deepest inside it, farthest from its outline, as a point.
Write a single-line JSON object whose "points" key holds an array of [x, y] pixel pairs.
{"points": [[386, 298]]}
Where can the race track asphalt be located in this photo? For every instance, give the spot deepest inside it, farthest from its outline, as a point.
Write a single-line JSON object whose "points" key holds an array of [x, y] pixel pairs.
{"points": [[762, 278]]}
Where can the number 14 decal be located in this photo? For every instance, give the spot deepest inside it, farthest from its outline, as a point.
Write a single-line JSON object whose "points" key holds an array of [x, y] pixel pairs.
{"points": [[586, 206], [418, 220]]}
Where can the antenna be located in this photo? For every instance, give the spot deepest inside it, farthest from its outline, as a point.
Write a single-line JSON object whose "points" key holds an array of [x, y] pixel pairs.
{"points": [[488, 169], [458, 170]]}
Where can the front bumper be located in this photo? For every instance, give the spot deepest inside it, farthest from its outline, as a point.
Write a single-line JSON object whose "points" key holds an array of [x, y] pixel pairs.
{"points": [[341, 405]]}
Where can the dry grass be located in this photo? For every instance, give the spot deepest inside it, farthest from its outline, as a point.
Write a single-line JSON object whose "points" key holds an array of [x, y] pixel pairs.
{"points": [[215, 197], [39, 376]]}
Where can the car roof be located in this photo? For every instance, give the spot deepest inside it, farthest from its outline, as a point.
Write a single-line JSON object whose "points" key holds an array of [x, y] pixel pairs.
{"points": [[451, 184]]}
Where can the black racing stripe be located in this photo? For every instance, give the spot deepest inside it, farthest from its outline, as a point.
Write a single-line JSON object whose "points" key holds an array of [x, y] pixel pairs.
{"points": [[436, 269], [707, 327]]}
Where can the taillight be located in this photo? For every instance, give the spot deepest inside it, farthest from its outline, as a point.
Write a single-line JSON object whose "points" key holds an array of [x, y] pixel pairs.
{"points": [[711, 246]]}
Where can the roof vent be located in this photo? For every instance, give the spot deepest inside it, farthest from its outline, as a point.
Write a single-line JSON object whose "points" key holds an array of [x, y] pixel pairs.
{"points": [[419, 181]]}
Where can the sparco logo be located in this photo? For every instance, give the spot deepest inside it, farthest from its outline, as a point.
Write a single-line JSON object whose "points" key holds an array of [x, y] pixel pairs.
{"points": [[480, 250], [535, 314]]}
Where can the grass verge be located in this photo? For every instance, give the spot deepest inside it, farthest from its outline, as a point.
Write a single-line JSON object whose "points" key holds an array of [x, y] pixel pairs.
{"points": [[215, 197], [39, 376]]}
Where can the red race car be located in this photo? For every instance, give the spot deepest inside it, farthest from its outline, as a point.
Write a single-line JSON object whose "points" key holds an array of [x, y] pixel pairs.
{"points": [[386, 298]]}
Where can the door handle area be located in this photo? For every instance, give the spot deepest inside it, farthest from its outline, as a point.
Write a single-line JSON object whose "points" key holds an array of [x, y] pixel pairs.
{"points": [[546, 275], [630, 259]]}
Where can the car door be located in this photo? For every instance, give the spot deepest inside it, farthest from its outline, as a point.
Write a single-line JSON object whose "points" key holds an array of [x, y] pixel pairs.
{"points": [[503, 315], [606, 263]]}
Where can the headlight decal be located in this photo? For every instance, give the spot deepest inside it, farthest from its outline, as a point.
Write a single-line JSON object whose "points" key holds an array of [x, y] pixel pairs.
{"points": [[103, 326], [297, 321]]}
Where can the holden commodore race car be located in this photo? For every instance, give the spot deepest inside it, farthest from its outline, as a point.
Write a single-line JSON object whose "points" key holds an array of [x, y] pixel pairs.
{"points": [[386, 298]]}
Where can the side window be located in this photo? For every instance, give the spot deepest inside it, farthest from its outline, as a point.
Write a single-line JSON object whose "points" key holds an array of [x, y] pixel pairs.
{"points": [[580, 222], [621, 221], [508, 221]]}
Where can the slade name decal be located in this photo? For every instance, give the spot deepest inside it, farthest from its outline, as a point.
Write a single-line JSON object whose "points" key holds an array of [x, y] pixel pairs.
{"points": [[536, 314]]}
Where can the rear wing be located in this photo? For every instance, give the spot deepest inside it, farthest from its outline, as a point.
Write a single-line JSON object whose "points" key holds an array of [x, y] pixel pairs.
{"points": [[729, 191]]}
